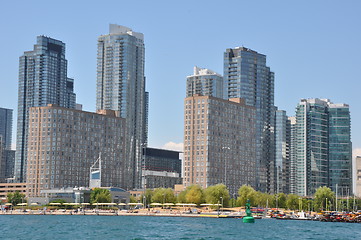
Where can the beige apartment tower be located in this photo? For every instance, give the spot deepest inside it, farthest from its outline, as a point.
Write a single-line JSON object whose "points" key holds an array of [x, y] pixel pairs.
{"points": [[63, 143], [219, 142]]}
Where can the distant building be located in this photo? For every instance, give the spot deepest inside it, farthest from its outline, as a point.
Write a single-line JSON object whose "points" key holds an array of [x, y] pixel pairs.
{"points": [[247, 76], [64, 143], [6, 188], [219, 142], [43, 80], [121, 87], [282, 152], [6, 126], [78, 195], [292, 156], [323, 147], [205, 82], [2, 160], [358, 176], [9, 163], [162, 168]]}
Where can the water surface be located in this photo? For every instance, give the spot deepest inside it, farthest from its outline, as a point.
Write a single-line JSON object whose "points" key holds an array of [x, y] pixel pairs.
{"points": [[149, 227]]}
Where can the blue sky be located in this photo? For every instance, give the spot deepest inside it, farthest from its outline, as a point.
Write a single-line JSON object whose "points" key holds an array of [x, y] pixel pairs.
{"points": [[312, 46]]}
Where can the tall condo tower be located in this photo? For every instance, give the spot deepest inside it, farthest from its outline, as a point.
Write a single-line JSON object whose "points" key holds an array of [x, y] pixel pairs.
{"points": [[121, 87], [247, 76], [205, 82], [282, 152], [42, 80], [323, 147]]}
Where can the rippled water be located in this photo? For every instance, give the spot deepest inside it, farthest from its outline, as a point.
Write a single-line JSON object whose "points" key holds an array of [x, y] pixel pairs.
{"points": [[147, 227]]}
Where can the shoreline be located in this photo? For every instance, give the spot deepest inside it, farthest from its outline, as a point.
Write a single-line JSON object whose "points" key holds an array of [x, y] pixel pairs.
{"points": [[117, 213]]}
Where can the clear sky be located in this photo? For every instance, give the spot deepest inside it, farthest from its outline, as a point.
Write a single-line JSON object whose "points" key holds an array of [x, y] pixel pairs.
{"points": [[312, 46]]}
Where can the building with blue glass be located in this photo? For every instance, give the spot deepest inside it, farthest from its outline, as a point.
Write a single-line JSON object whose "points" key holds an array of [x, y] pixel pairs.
{"points": [[323, 147], [247, 76], [42, 80]]}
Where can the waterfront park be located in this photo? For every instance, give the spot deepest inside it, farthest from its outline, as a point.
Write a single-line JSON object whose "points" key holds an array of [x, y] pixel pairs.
{"points": [[214, 201]]}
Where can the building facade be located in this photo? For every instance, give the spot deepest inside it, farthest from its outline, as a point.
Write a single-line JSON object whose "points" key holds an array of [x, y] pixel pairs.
{"points": [[121, 87], [219, 142], [204, 82], [292, 155], [161, 168], [323, 147], [42, 80], [282, 152], [64, 143], [247, 76], [6, 126]]}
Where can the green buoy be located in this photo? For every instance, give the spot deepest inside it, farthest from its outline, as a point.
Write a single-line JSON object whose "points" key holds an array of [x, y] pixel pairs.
{"points": [[248, 218]]}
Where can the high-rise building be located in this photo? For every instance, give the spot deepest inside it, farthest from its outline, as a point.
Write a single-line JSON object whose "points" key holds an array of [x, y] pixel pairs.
{"points": [[292, 156], [6, 158], [247, 76], [340, 148], [121, 87], [282, 152], [219, 142], [204, 82], [42, 80], [323, 147], [6, 126], [61, 153]]}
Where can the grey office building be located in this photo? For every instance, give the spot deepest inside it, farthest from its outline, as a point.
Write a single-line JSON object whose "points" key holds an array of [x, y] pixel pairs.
{"points": [[42, 80], [121, 87], [247, 76]]}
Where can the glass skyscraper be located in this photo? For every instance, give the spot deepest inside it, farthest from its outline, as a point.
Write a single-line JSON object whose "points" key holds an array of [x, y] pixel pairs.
{"points": [[6, 126], [340, 149], [42, 80], [323, 146], [204, 82], [247, 76], [121, 87], [282, 152]]}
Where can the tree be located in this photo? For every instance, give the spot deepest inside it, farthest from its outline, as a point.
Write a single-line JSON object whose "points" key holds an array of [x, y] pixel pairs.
{"points": [[16, 197], [100, 195], [279, 200], [324, 197], [292, 201], [214, 194], [148, 196], [132, 199], [194, 194], [246, 192], [163, 195]]}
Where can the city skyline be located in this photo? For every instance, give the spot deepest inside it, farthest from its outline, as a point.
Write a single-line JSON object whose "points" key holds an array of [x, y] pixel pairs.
{"points": [[310, 58]]}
